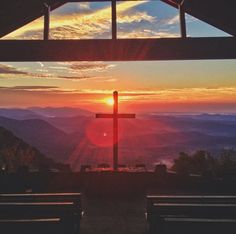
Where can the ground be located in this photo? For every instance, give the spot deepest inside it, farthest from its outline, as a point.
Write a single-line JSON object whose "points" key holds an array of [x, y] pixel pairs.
{"points": [[114, 216]]}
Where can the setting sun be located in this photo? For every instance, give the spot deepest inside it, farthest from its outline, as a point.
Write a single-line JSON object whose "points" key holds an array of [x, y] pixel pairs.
{"points": [[109, 101]]}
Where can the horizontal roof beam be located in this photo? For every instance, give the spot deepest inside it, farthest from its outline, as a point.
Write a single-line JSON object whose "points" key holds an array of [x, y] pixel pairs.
{"points": [[118, 50]]}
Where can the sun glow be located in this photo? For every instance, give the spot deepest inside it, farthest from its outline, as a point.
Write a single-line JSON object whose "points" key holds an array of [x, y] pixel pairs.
{"points": [[109, 101]]}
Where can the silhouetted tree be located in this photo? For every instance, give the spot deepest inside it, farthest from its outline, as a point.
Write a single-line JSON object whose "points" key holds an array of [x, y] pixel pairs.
{"points": [[182, 165], [203, 163]]}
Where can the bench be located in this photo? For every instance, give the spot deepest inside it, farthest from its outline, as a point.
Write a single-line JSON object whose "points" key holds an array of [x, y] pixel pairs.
{"points": [[191, 214], [58, 213]]}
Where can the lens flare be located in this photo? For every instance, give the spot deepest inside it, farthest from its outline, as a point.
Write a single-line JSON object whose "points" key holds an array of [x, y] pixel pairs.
{"points": [[100, 132]]}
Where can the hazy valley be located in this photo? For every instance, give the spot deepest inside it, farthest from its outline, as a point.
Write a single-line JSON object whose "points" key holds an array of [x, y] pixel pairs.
{"points": [[74, 136]]}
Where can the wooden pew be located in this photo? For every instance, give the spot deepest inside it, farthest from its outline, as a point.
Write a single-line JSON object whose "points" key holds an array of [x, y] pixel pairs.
{"points": [[191, 214], [57, 213]]}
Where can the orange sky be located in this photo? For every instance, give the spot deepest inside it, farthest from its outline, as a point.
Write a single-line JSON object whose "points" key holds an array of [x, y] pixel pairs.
{"points": [[153, 86]]}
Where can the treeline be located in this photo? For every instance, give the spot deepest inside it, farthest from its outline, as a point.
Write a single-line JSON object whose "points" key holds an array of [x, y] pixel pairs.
{"points": [[16, 155], [206, 164]]}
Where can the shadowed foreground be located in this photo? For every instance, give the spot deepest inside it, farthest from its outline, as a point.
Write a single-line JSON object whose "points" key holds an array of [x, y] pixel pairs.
{"points": [[114, 202], [114, 216]]}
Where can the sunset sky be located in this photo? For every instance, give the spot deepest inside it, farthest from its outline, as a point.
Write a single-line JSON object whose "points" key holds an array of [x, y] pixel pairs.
{"points": [[173, 86]]}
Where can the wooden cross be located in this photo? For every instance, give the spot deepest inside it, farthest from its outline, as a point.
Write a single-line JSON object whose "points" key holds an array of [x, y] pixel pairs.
{"points": [[115, 116]]}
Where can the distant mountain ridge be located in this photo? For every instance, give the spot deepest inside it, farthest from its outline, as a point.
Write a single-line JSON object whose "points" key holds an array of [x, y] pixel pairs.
{"points": [[17, 113], [15, 153], [59, 111], [43, 112], [62, 134], [51, 141]]}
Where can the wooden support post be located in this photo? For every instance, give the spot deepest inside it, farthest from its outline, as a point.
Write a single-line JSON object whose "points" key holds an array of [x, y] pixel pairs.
{"points": [[46, 21], [113, 20], [182, 20]]}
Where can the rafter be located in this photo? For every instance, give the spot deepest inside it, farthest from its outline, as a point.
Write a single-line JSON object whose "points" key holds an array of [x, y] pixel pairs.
{"points": [[118, 50]]}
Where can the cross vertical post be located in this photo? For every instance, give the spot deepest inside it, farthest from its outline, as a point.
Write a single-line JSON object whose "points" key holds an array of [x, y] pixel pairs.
{"points": [[115, 130], [115, 116]]}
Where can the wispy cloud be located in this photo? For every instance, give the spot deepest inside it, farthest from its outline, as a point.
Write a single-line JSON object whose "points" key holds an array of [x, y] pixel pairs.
{"points": [[97, 24], [162, 95], [75, 71], [53, 95], [186, 94], [30, 88], [172, 21], [76, 77], [203, 94], [86, 66], [146, 33], [135, 17], [84, 5], [7, 69]]}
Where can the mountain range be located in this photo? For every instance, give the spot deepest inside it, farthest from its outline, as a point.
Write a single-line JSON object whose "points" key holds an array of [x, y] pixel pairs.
{"points": [[75, 136], [15, 153]]}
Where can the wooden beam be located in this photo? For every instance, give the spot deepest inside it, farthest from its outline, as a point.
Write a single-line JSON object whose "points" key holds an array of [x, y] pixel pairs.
{"points": [[221, 16], [118, 50], [182, 20], [113, 20], [46, 21]]}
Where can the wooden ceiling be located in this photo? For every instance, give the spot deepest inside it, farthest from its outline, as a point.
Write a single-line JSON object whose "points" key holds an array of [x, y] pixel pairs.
{"points": [[17, 13], [218, 13]]}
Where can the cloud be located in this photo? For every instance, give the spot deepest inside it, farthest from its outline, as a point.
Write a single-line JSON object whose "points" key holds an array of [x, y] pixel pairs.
{"points": [[86, 66], [199, 95], [63, 70], [88, 25], [7, 69], [44, 89], [84, 5], [56, 96], [109, 80], [41, 64], [75, 77], [16, 72], [172, 21], [29, 87], [146, 33], [99, 27], [174, 95], [135, 17], [132, 23]]}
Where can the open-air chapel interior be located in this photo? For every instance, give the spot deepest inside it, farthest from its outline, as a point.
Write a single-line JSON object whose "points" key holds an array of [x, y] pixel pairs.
{"points": [[117, 117]]}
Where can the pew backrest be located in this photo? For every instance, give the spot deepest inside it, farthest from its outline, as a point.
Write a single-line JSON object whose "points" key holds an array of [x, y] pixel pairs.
{"points": [[200, 210], [151, 199], [62, 211]]}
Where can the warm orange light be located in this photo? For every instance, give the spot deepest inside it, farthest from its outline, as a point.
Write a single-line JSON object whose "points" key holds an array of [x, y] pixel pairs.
{"points": [[109, 101]]}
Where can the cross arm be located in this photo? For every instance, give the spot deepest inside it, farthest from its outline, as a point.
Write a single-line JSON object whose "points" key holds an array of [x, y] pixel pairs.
{"points": [[110, 116], [126, 116], [100, 115]]}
